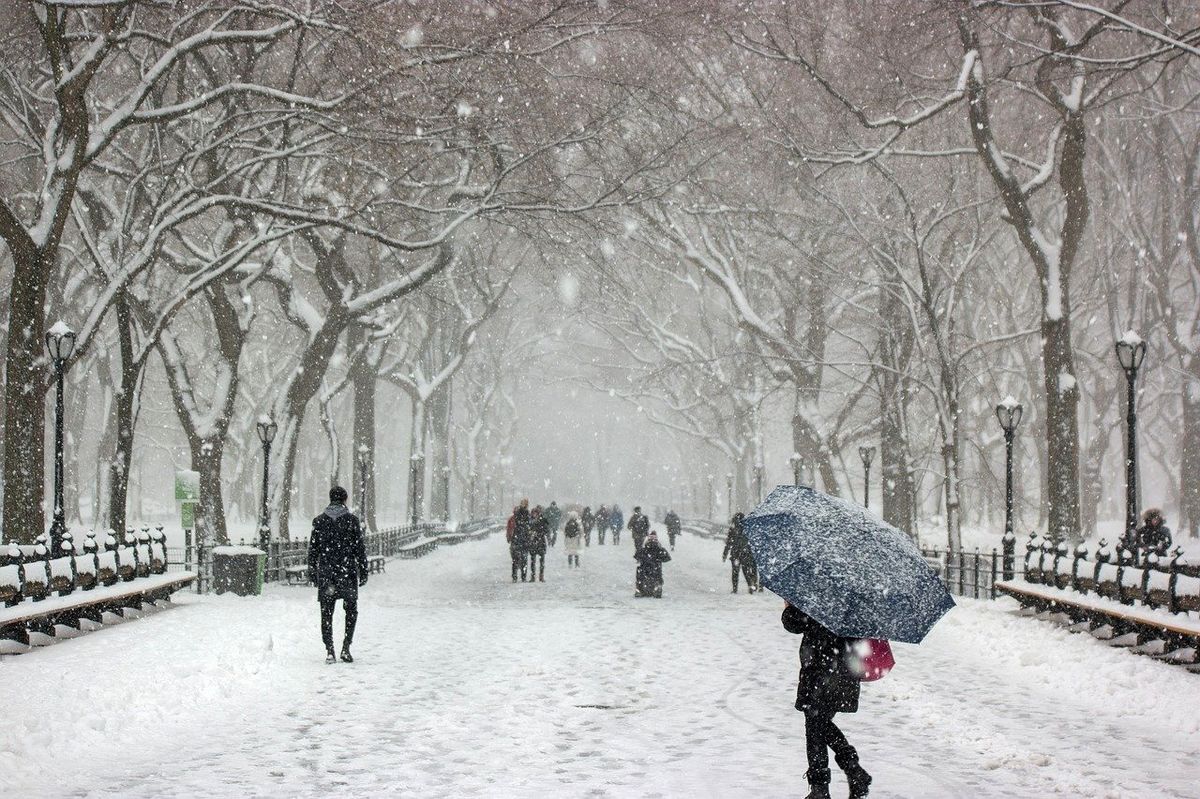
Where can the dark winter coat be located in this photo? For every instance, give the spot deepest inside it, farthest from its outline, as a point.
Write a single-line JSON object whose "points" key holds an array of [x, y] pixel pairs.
{"points": [[1154, 538], [674, 525], [737, 544], [650, 557], [617, 520], [587, 519], [521, 537], [601, 518], [337, 553], [539, 535], [553, 515], [826, 685]]}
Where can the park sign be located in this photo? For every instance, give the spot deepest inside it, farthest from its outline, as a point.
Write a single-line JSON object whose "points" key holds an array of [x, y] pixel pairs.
{"points": [[187, 485]]}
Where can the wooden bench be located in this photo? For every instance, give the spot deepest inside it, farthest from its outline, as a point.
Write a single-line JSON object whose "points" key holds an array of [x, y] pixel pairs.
{"points": [[41, 592]]}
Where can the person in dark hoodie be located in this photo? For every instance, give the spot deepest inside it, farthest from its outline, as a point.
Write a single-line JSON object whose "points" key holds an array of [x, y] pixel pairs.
{"points": [[826, 686], [337, 565], [518, 547], [539, 537], [650, 557]]}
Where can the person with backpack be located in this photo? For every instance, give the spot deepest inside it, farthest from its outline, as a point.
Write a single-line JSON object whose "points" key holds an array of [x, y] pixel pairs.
{"points": [[639, 527], [674, 527], [827, 685], [737, 551], [337, 565], [539, 536], [573, 539], [650, 556], [602, 520]]}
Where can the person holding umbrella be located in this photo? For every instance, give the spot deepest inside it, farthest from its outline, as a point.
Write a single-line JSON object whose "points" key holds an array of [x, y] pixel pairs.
{"points": [[826, 686]]}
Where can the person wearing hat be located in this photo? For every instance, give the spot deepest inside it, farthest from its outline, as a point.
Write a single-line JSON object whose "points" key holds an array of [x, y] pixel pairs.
{"points": [[650, 557], [573, 539], [639, 526], [1153, 537], [337, 565]]}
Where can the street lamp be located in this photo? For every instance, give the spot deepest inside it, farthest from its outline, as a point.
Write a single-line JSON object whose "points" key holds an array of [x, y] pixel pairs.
{"points": [[1131, 350], [60, 341], [729, 491], [266, 434], [1008, 412], [794, 460], [867, 454], [487, 490], [364, 461], [758, 480], [416, 477], [712, 497], [445, 509]]}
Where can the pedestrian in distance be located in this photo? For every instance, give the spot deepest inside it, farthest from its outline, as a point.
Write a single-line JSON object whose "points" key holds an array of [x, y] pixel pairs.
{"points": [[827, 686], [639, 527], [737, 551], [616, 523], [337, 565], [539, 537], [602, 519], [554, 516], [1153, 537], [519, 545], [674, 527], [588, 520], [573, 539], [648, 579]]}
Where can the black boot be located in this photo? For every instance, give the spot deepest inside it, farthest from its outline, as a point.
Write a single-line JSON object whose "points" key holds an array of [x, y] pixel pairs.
{"points": [[818, 783], [330, 657], [346, 656], [856, 775]]}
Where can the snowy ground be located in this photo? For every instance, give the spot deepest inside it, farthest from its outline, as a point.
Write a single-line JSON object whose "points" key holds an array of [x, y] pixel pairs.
{"points": [[467, 685]]}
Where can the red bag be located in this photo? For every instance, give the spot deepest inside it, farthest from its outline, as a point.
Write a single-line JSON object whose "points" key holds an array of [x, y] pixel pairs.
{"points": [[870, 659]]}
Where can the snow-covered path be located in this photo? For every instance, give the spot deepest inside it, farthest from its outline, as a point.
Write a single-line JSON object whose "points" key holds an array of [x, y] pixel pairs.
{"points": [[468, 685]]}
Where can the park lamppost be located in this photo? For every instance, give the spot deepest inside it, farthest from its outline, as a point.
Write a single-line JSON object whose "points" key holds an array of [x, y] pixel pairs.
{"points": [[364, 461], [1008, 412], [729, 492], [794, 460], [712, 497], [266, 434], [487, 492], [1131, 350], [416, 468], [758, 480], [60, 341], [867, 454], [445, 509]]}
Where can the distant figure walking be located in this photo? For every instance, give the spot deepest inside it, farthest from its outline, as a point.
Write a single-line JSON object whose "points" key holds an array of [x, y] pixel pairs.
{"points": [[588, 520], [737, 550], [826, 686], [674, 527], [573, 539], [639, 527], [554, 516], [518, 544], [616, 523], [650, 557], [539, 537], [602, 520], [337, 565]]}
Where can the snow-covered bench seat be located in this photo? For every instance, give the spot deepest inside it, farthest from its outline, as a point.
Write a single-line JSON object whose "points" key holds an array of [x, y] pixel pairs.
{"points": [[40, 592], [419, 548], [1178, 630]]}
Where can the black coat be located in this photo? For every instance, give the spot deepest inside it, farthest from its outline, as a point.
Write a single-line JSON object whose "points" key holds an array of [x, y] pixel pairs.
{"points": [[337, 553], [737, 545], [521, 532], [639, 525], [1154, 538], [826, 685], [673, 523], [587, 519], [650, 558], [539, 534]]}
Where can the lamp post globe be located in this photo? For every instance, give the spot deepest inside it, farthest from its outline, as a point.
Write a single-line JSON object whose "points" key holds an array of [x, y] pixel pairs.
{"points": [[866, 454], [1131, 351], [60, 343]]}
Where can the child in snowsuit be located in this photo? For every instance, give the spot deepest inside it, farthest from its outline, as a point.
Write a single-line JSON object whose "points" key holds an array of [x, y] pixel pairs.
{"points": [[650, 558]]}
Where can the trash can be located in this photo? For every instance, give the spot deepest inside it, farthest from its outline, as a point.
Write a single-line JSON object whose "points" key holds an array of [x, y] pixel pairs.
{"points": [[238, 570]]}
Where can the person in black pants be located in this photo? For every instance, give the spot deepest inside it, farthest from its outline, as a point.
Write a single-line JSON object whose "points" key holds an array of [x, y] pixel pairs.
{"points": [[539, 536], [337, 565], [519, 546], [737, 550], [826, 687]]}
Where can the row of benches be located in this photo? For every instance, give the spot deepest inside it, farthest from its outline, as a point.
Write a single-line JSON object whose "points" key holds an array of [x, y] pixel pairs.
{"points": [[1153, 607], [42, 591]]}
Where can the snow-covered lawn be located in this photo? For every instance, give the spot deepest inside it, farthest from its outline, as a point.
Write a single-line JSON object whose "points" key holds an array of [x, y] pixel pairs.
{"points": [[468, 685]]}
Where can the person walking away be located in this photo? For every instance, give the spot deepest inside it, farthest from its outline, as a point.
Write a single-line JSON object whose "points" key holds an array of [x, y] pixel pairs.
{"points": [[737, 551], [573, 539], [826, 686], [674, 527], [588, 519], [520, 541], [616, 523], [539, 537], [554, 516], [337, 565], [649, 577], [639, 527], [602, 519], [1153, 537]]}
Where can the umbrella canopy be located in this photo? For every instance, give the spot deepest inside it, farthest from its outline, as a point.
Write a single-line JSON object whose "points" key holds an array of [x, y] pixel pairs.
{"points": [[853, 573]]}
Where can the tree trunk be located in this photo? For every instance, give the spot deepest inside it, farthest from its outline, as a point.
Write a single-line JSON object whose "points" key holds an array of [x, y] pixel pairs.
{"points": [[1062, 427], [1189, 471], [364, 387], [416, 462], [439, 451], [126, 399]]}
